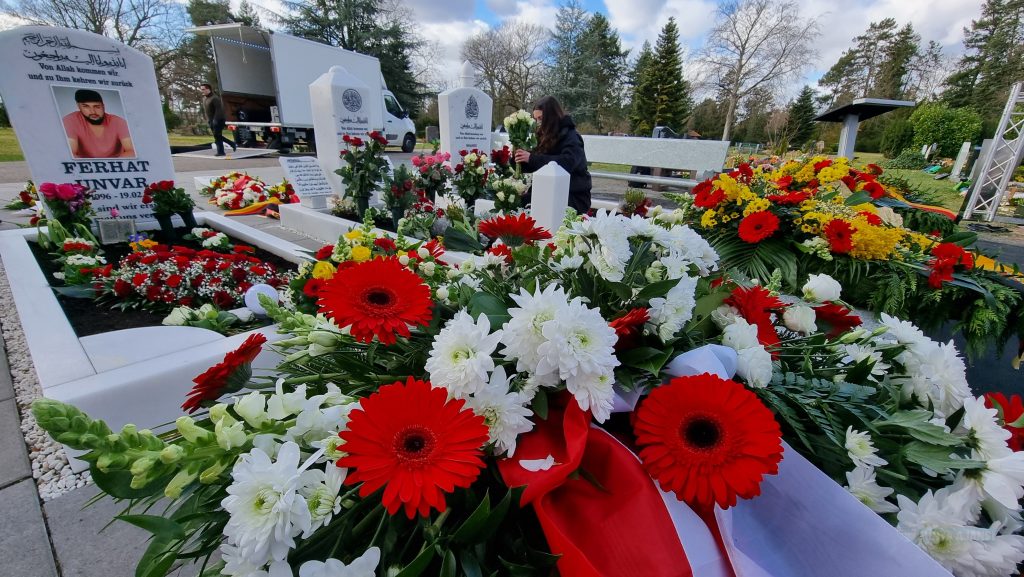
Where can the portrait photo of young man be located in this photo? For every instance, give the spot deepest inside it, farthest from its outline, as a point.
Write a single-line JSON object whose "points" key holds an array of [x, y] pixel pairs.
{"points": [[92, 128]]}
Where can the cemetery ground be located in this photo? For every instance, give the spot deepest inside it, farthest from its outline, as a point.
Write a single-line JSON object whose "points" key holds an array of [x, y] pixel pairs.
{"points": [[63, 536]]}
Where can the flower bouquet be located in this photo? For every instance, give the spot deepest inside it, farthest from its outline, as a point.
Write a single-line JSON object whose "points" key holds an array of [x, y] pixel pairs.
{"points": [[823, 216], [433, 171], [433, 420], [27, 198], [208, 316], [399, 193], [210, 239], [635, 202], [69, 204], [521, 134], [501, 159], [470, 180], [507, 192], [283, 192], [423, 219], [365, 168], [168, 200]]}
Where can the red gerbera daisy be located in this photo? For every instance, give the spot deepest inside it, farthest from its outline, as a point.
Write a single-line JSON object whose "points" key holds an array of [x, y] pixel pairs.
{"points": [[840, 235], [416, 443], [708, 440], [838, 317], [514, 230], [874, 189], [377, 298], [705, 195], [756, 305], [758, 226], [228, 376], [1011, 408], [503, 251], [313, 287], [628, 328]]}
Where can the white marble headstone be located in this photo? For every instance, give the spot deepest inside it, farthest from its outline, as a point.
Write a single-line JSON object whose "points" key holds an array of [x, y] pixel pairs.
{"points": [[465, 117], [47, 71], [961, 160], [307, 178]]}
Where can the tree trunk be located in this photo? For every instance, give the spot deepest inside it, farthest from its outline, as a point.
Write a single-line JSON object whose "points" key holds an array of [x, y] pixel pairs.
{"points": [[730, 115]]}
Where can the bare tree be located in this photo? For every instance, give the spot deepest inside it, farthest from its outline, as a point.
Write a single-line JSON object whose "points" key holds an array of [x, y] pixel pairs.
{"points": [[756, 43], [779, 131], [510, 60]]}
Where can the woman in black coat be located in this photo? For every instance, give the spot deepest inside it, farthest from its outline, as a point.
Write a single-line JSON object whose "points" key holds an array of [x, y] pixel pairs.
{"points": [[558, 141]]}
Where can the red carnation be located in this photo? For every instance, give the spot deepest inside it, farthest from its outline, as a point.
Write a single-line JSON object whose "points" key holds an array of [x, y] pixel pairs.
{"points": [[228, 376], [705, 195], [755, 306], [840, 235], [875, 189], [790, 198], [386, 244], [325, 252], [628, 328], [838, 317], [758, 226], [784, 182]]}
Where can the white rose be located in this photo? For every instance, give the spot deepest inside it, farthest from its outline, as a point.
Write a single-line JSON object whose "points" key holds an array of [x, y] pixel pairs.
{"points": [[821, 288], [740, 335], [442, 293], [427, 268], [479, 170], [754, 365], [404, 260], [178, 317], [500, 195], [799, 319]]}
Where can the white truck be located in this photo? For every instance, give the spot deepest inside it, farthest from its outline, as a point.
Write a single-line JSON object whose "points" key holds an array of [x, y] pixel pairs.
{"points": [[264, 83]]}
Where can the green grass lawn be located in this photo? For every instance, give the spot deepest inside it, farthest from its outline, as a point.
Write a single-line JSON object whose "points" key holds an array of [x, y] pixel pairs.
{"points": [[10, 151], [944, 190]]}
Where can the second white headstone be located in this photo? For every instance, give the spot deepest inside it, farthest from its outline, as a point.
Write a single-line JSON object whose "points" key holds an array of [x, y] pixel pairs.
{"points": [[465, 117]]}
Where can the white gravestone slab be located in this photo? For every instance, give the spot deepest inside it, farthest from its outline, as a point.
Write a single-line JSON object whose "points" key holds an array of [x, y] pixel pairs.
{"points": [[961, 160], [86, 109], [465, 117], [307, 178], [342, 105]]}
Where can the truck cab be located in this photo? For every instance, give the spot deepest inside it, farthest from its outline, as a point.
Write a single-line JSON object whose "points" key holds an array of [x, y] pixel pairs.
{"points": [[264, 77]]}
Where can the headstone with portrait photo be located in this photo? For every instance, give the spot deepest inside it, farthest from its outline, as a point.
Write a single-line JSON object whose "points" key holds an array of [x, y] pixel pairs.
{"points": [[465, 116], [342, 105], [86, 109]]}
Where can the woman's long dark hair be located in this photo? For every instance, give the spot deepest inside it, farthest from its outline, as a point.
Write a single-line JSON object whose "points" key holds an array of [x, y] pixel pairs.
{"points": [[551, 121]]}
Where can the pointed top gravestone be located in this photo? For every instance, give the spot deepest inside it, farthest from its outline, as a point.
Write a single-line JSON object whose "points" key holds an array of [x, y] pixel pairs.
{"points": [[86, 109], [465, 116]]}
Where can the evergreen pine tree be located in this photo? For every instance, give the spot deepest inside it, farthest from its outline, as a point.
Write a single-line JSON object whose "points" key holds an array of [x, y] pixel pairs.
{"points": [[642, 104], [570, 79], [898, 55], [605, 65], [665, 85], [248, 15], [801, 118]]}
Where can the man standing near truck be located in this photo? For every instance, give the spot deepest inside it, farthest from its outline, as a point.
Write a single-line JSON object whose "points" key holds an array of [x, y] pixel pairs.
{"points": [[215, 117]]}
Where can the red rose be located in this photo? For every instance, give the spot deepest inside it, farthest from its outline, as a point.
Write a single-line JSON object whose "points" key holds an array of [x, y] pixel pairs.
{"points": [[140, 279], [223, 299], [239, 274], [386, 244], [174, 280], [325, 252], [122, 288]]}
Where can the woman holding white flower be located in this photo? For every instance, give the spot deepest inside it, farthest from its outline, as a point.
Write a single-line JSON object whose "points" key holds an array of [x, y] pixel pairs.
{"points": [[558, 141]]}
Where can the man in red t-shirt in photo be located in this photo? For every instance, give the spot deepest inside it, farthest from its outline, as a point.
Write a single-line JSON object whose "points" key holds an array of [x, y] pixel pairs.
{"points": [[95, 133]]}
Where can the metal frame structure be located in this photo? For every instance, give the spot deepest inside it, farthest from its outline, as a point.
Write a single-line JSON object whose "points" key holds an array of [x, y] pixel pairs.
{"points": [[998, 164]]}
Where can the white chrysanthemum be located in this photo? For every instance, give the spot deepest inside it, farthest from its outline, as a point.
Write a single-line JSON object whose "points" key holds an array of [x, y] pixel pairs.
{"points": [[1001, 479], [237, 565], [754, 366], [363, 566], [939, 524], [460, 357], [566, 263], [266, 511], [504, 411], [936, 375], [981, 426], [821, 288], [862, 485], [800, 319], [693, 248], [861, 450], [903, 331], [322, 491], [861, 353], [611, 252], [670, 313], [740, 335], [580, 348], [523, 333]]}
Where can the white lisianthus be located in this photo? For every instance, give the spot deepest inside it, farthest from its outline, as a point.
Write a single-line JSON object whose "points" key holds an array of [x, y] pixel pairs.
{"points": [[252, 408], [322, 491], [861, 449], [800, 319], [363, 566], [821, 288], [230, 435], [178, 317], [505, 412], [282, 405], [740, 335], [460, 357], [862, 485], [754, 365], [984, 433], [523, 333], [580, 348], [670, 313], [266, 511], [860, 353]]}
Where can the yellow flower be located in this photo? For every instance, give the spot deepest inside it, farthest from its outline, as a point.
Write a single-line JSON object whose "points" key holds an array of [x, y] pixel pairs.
{"points": [[707, 220], [324, 270], [360, 253], [874, 242], [354, 234], [143, 244], [806, 228], [756, 205]]}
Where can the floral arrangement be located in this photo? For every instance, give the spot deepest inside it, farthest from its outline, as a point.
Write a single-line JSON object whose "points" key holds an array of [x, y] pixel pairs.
{"points": [[501, 162], [70, 204], [433, 172], [238, 190], [161, 277], [222, 182], [521, 132], [421, 219], [344, 207], [207, 316], [399, 191], [824, 216], [416, 402], [284, 192], [166, 198], [80, 259], [635, 202], [27, 197], [507, 192], [211, 239], [364, 168], [471, 175]]}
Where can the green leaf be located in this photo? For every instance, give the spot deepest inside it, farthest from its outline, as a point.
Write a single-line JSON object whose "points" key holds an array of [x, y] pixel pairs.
{"points": [[159, 526], [419, 564], [938, 459], [158, 558], [918, 426], [117, 484], [449, 564], [962, 238], [497, 515], [540, 404], [468, 532], [646, 358], [457, 239], [78, 291], [858, 198], [490, 305], [657, 289], [470, 565]]}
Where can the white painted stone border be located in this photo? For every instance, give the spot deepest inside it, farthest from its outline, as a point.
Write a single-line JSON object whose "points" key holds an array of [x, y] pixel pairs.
{"points": [[148, 393]]}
